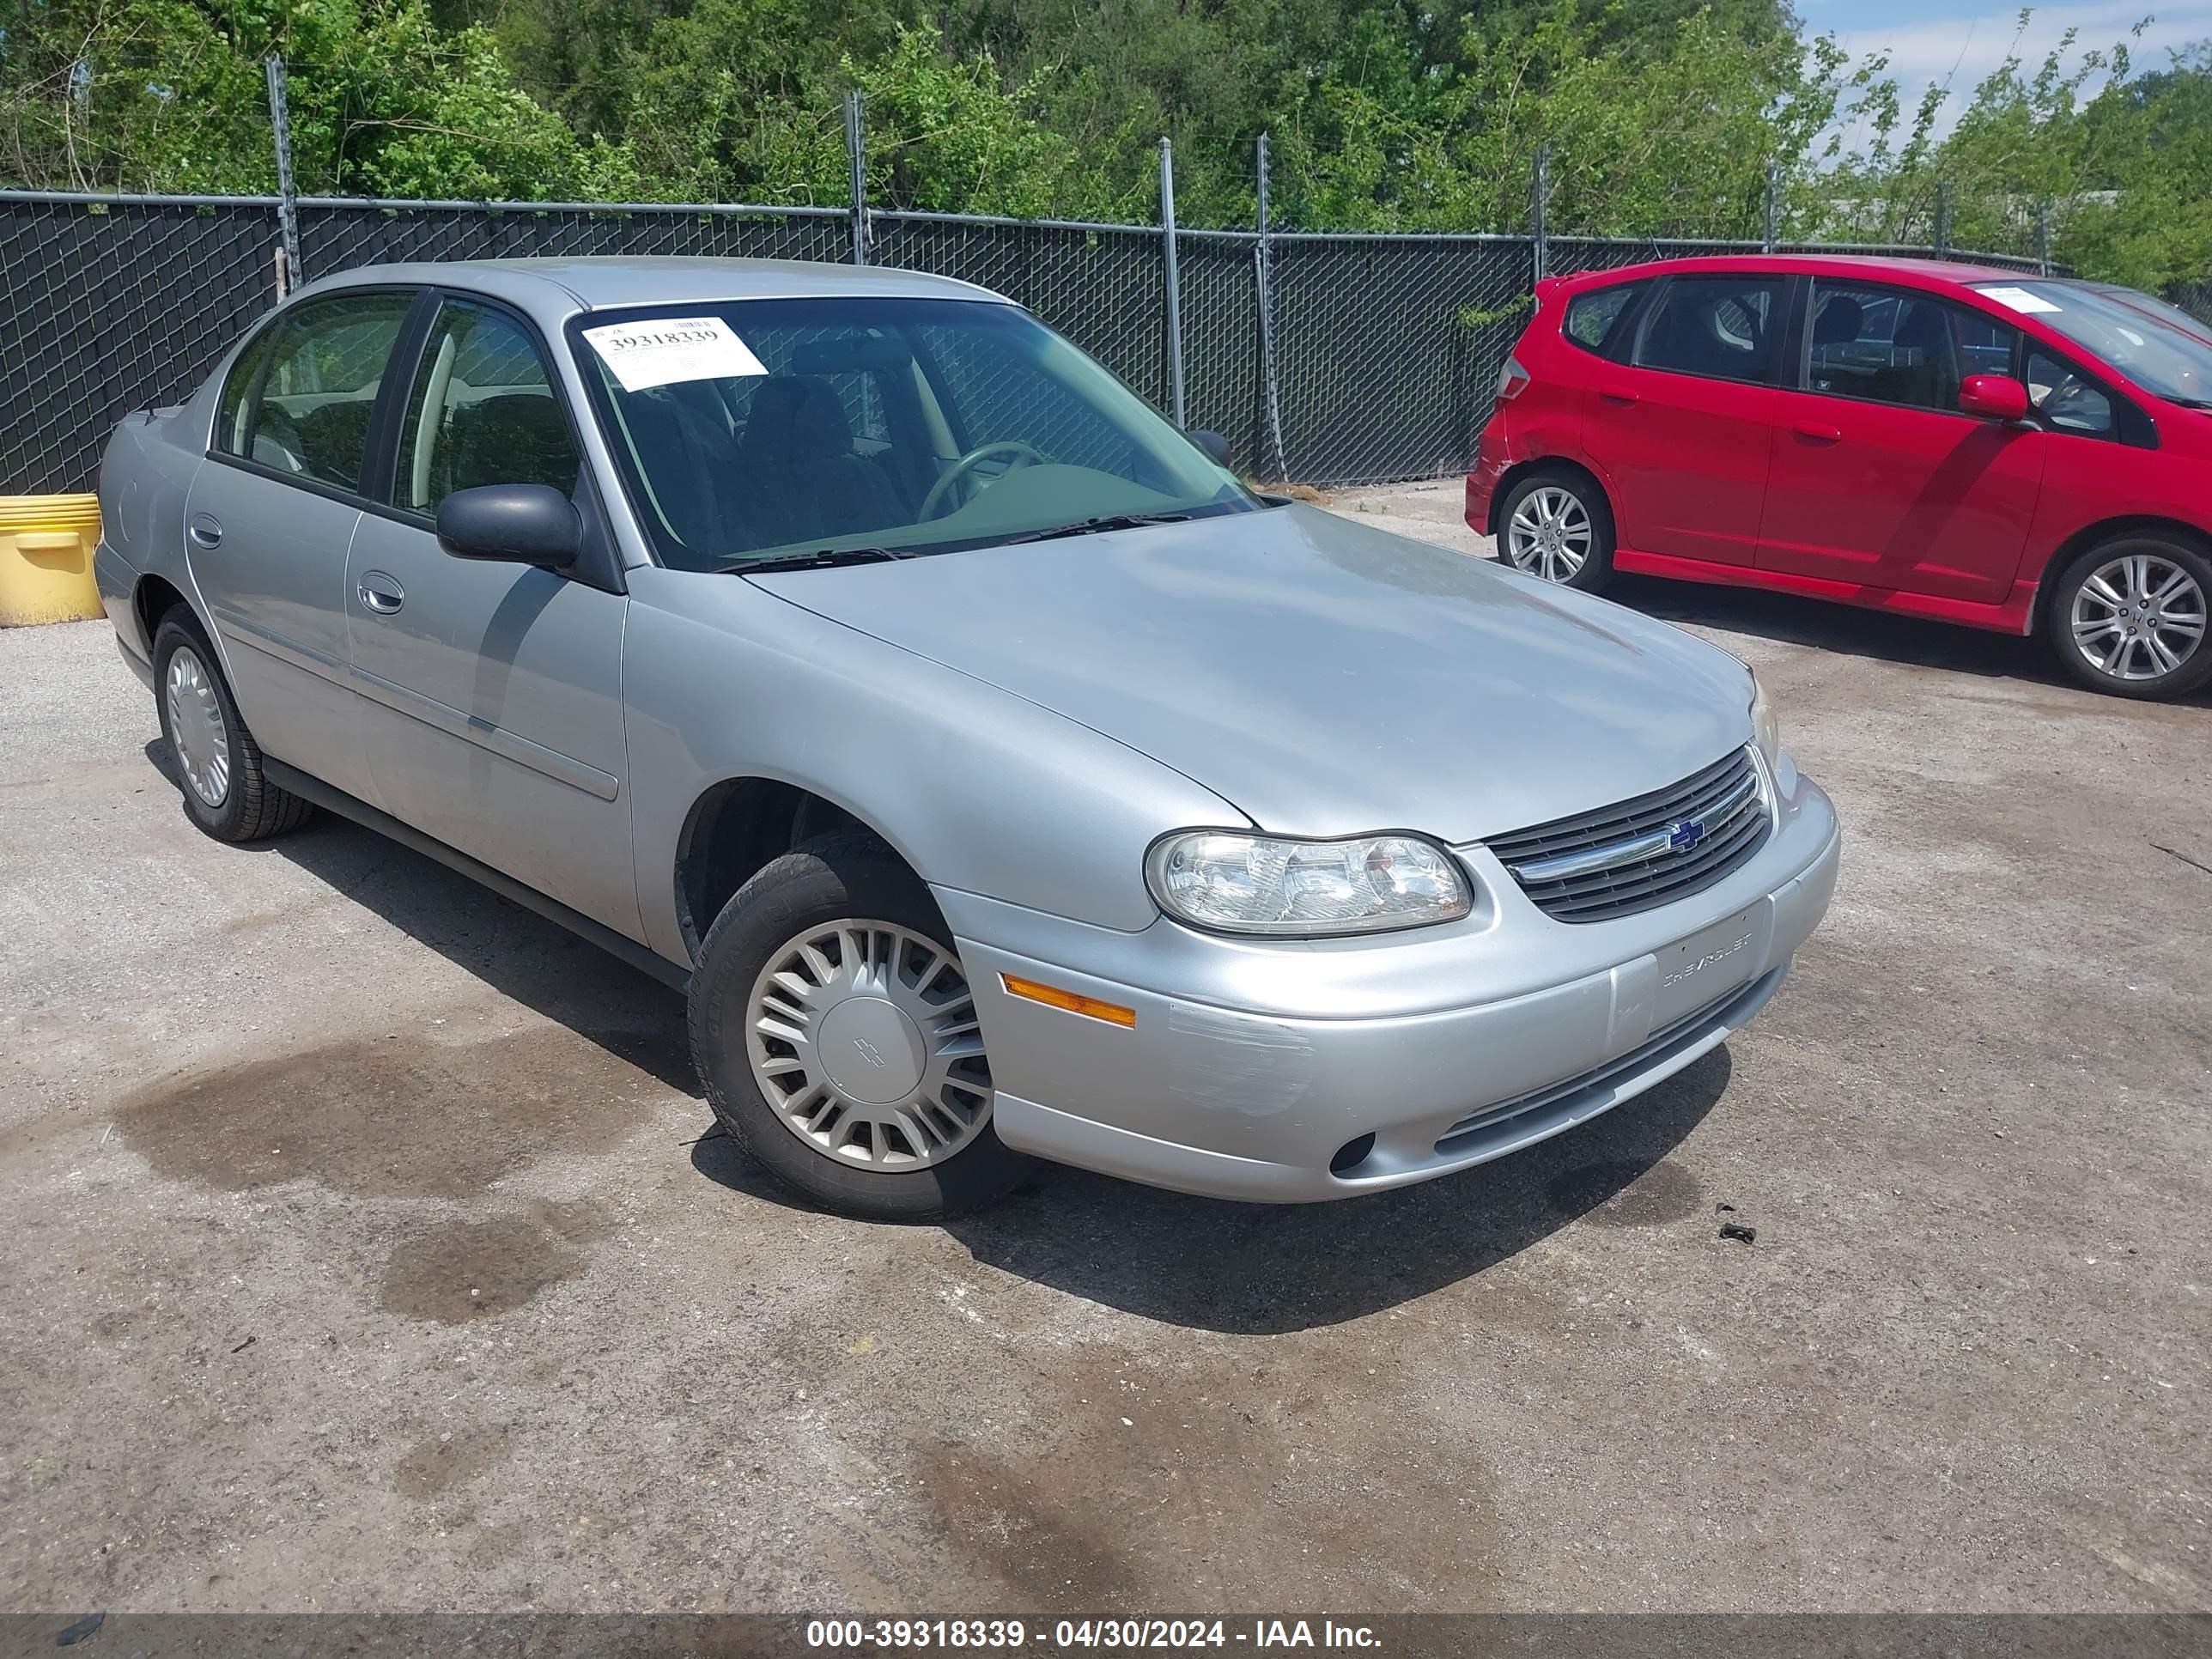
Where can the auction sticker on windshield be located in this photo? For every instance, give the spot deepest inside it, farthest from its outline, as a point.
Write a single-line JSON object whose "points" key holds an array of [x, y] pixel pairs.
{"points": [[669, 349], [2019, 299]]}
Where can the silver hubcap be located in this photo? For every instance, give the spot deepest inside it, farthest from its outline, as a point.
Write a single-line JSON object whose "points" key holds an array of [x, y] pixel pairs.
{"points": [[864, 1042], [2138, 618], [1549, 534], [197, 733]]}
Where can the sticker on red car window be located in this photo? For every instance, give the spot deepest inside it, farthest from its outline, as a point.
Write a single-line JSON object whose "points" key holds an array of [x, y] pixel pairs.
{"points": [[2019, 299], [668, 350]]}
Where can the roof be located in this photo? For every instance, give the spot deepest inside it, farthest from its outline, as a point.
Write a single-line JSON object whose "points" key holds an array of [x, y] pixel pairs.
{"points": [[595, 283], [1938, 270]]}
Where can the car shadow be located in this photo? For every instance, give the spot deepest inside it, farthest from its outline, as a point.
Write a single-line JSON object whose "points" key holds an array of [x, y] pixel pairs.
{"points": [[1203, 1263], [1789, 619], [1268, 1269], [536, 963]]}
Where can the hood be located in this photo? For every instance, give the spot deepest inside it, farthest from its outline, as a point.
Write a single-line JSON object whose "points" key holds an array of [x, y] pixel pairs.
{"points": [[1326, 678]]}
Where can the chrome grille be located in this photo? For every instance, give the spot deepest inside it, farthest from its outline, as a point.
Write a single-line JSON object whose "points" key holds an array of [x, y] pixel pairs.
{"points": [[1642, 853]]}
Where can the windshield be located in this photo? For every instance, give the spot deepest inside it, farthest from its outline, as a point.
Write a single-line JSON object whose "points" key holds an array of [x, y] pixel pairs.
{"points": [[2156, 353], [2136, 300], [761, 429]]}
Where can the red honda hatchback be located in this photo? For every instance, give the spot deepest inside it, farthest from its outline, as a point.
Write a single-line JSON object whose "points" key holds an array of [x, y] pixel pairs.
{"points": [[1945, 440]]}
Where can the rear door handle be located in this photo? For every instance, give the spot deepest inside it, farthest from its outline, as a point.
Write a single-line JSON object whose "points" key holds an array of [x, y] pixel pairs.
{"points": [[1618, 395], [1821, 434], [380, 593], [207, 532]]}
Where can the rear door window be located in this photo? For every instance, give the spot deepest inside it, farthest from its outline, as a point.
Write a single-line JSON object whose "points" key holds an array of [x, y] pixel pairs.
{"points": [[308, 412], [232, 435], [1725, 328]]}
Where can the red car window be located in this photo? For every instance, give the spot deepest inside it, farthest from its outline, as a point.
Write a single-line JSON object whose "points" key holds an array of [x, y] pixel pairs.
{"points": [[1726, 328], [1592, 317], [1899, 346]]}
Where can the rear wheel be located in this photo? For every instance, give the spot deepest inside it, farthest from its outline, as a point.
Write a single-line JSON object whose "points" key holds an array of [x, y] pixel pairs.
{"points": [[1556, 524], [218, 763], [832, 1025], [2128, 617]]}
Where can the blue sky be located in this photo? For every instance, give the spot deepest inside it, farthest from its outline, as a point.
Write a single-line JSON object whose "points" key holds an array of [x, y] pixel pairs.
{"points": [[1957, 42]]}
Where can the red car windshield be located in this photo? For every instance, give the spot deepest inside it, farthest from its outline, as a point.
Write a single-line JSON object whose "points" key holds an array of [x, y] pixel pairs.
{"points": [[2156, 353]]}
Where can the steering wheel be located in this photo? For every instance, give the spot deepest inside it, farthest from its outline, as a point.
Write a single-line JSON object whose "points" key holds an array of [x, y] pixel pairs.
{"points": [[2077, 406], [1022, 455]]}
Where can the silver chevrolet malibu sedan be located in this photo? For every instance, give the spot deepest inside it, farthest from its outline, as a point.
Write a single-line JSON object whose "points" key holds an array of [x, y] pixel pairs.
{"points": [[1000, 778]]}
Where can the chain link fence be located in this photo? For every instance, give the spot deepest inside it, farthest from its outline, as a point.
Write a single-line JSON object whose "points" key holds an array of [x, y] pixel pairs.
{"points": [[1385, 348], [2196, 298]]}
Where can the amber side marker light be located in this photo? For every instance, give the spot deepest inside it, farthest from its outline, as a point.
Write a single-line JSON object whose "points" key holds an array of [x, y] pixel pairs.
{"points": [[1053, 997]]}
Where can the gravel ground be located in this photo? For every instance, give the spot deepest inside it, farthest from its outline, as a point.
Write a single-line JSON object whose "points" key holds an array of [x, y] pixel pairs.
{"points": [[363, 1249]]}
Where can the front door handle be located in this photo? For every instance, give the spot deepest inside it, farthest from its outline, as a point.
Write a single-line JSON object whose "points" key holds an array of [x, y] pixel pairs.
{"points": [[1821, 434], [204, 529], [380, 593]]}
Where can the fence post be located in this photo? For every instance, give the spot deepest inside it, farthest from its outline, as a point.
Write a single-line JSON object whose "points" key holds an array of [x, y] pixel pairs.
{"points": [[1278, 464], [288, 200], [2043, 237], [1771, 221], [1539, 194], [856, 156], [1174, 287], [1942, 218]]}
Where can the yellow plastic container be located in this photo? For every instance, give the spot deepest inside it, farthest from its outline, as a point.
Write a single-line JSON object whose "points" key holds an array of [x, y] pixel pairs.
{"points": [[45, 559]]}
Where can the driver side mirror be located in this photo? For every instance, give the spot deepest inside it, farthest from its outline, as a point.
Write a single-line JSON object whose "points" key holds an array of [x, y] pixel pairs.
{"points": [[1997, 397], [1212, 442], [522, 523]]}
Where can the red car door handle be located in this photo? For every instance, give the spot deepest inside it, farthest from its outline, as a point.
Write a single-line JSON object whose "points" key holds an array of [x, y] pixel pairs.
{"points": [[1820, 434], [1618, 395]]}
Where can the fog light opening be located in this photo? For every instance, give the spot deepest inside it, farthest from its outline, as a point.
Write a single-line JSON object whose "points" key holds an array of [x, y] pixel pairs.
{"points": [[1350, 1156]]}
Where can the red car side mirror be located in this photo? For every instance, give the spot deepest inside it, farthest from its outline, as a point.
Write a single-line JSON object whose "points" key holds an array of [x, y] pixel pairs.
{"points": [[1999, 396]]}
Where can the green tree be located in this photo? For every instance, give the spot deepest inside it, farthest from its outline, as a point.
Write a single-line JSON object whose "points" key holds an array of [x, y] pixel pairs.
{"points": [[1662, 118], [168, 95]]}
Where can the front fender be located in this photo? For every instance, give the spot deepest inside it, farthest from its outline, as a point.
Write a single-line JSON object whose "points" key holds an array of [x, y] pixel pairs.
{"points": [[978, 790]]}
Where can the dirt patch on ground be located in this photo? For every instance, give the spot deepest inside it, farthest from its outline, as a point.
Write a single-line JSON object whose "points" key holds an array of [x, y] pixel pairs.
{"points": [[1619, 1192], [1157, 1482], [395, 1117], [460, 1270], [437, 1464]]}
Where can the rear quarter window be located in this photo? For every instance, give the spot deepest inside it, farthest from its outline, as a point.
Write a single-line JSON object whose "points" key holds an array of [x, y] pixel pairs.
{"points": [[1591, 317]]}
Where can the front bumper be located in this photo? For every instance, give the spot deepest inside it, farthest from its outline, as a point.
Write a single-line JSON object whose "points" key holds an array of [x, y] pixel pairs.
{"points": [[1253, 1065]]}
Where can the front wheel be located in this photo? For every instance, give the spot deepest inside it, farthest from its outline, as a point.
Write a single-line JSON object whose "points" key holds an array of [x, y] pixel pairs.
{"points": [[834, 1027], [2128, 617], [1556, 524]]}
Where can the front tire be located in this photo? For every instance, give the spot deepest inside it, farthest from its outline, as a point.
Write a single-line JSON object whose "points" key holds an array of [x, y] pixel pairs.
{"points": [[1557, 525], [835, 1030], [219, 771], [2128, 617]]}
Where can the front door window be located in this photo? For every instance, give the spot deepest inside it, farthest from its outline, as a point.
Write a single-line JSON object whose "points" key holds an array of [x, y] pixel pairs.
{"points": [[308, 411], [482, 411]]}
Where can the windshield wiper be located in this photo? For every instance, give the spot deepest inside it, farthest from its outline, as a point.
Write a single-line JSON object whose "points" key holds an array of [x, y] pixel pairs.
{"points": [[2189, 403], [822, 558], [1092, 526]]}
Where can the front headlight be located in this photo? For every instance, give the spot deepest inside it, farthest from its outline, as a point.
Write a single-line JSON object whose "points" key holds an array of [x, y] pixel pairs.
{"points": [[1247, 883], [1765, 730]]}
